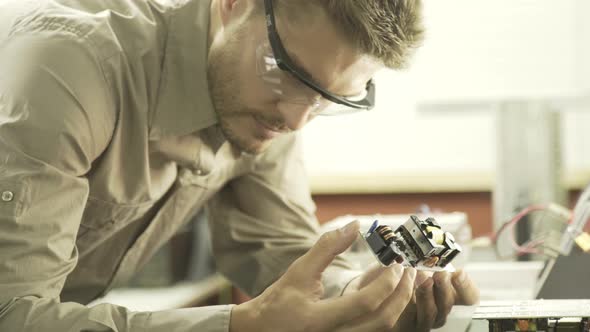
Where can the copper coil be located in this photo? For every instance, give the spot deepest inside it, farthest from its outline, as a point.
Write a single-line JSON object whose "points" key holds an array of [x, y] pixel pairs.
{"points": [[388, 236], [384, 229]]}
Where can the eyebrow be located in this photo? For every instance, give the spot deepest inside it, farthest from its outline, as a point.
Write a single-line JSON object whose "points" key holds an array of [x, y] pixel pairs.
{"points": [[295, 61]]}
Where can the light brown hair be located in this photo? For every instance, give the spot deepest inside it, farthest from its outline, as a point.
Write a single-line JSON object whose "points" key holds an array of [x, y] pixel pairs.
{"points": [[387, 30]]}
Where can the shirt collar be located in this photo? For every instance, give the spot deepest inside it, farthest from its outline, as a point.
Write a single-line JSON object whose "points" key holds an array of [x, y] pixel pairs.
{"points": [[184, 104]]}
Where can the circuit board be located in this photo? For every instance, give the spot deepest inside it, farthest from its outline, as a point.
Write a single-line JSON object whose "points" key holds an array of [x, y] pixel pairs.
{"points": [[418, 243], [536, 315]]}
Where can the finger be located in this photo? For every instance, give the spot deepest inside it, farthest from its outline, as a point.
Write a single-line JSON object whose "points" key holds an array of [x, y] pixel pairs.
{"points": [[444, 296], [333, 312], [390, 311], [407, 321], [330, 244], [421, 277], [402, 299], [466, 291], [372, 273], [426, 306]]}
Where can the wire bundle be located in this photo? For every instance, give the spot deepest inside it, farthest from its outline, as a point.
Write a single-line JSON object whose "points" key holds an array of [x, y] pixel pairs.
{"points": [[533, 246]]}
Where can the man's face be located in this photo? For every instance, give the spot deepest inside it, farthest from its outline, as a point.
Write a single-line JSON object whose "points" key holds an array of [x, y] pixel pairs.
{"points": [[250, 113]]}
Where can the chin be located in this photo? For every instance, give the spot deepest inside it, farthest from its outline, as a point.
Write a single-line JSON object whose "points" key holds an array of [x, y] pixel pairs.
{"points": [[242, 139], [251, 145], [257, 147]]}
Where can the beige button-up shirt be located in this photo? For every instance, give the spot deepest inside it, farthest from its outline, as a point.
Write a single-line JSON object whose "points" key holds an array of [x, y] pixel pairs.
{"points": [[108, 144]]}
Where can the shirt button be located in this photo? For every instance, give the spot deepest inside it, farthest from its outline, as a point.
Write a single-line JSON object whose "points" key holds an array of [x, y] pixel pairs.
{"points": [[7, 196]]}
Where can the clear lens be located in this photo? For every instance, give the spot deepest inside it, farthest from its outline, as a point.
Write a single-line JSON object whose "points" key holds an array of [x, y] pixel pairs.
{"points": [[281, 83], [290, 90], [331, 109]]}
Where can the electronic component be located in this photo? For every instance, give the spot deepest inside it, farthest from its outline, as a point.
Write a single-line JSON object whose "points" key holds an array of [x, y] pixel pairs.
{"points": [[420, 244], [540, 325], [535, 315]]}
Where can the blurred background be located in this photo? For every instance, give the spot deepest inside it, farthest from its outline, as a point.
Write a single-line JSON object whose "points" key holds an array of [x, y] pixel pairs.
{"points": [[497, 86]]}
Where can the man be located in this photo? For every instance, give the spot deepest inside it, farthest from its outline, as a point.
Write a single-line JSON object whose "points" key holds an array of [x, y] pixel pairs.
{"points": [[121, 119]]}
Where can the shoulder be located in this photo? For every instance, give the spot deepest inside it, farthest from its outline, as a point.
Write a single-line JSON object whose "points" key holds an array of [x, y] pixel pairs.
{"points": [[108, 27], [54, 101]]}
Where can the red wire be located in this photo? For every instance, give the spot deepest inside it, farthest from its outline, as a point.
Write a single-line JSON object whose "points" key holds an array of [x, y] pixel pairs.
{"points": [[518, 218], [527, 247]]}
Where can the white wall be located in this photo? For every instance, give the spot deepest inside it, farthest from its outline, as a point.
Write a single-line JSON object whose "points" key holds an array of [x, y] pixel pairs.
{"points": [[433, 128]]}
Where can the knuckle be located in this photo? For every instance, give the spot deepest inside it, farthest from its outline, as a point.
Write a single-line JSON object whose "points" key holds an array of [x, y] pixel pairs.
{"points": [[382, 320], [406, 294], [368, 304], [309, 323], [386, 320], [388, 285]]}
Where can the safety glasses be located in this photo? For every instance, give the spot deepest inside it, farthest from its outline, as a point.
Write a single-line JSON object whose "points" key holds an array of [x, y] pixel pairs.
{"points": [[295, 87]]}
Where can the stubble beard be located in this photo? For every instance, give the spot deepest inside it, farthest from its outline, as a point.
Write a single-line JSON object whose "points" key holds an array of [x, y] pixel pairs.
{"points": [[224, 88]]}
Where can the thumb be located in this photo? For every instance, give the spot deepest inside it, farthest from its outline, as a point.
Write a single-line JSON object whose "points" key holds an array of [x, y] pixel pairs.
{"points": [[330, 244]]}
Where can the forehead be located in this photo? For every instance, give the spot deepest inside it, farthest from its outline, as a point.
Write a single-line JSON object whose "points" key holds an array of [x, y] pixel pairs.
{"points": [[330, 57]]}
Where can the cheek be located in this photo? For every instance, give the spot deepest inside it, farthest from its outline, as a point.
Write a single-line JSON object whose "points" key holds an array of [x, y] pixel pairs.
{"points": [[253, 91]]}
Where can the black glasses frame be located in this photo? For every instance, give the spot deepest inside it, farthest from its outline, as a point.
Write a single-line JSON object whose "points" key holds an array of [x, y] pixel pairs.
{"points": [[286, 64]]}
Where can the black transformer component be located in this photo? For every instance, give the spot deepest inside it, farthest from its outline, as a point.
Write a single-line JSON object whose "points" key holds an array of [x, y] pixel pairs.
{"points": [[417, 243]]}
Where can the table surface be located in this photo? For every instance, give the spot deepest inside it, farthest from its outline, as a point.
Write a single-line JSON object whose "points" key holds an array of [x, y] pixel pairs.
{"points": [[164, 298]]}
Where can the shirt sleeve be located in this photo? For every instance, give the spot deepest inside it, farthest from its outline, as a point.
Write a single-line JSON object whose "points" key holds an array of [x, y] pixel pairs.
{"points": [[262, 221], [56, 117]]}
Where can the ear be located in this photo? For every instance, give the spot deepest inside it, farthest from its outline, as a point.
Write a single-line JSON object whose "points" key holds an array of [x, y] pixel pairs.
{"points": [[228, 9]]}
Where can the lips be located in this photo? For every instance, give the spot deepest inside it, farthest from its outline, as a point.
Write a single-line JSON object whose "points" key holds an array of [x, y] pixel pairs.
{"points": [[265, 131], [271, 128]]}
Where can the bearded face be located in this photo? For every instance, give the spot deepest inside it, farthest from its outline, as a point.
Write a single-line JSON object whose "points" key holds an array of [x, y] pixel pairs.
{"points": [[253, 107], [234, 86]]}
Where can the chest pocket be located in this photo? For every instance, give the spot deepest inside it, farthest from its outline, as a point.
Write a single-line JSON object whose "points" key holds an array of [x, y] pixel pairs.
{"points": [[101, 219]]}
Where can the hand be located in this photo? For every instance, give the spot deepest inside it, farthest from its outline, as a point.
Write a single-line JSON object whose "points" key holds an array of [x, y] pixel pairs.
{"points": [[434, 298], [294, 303]]}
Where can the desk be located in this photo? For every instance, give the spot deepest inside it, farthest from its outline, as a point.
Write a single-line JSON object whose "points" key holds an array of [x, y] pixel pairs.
{"points": [[181, 295]]}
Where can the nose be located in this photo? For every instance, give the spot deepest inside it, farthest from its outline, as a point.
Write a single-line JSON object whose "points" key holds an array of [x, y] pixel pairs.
{"points": [[296, 115]]}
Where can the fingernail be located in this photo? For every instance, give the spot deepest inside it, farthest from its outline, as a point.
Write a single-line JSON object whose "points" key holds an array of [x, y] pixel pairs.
{"points": [[398, 269], [350, 228]]}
